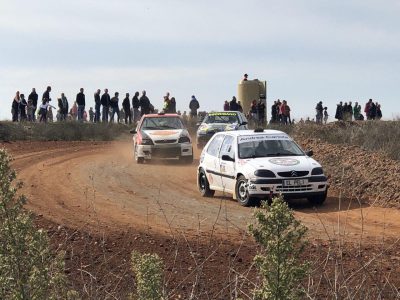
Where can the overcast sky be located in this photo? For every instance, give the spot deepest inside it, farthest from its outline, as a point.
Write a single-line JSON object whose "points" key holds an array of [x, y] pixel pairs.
{"points": [[307, 50]]}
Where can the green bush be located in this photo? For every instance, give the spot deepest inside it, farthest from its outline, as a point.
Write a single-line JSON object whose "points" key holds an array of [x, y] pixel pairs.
{"points": [[27, 268], [148, 270], [282, 239]]}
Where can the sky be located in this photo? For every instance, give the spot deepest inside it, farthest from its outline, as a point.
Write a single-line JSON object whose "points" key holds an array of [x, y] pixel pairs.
{"points": [[306, 50]]}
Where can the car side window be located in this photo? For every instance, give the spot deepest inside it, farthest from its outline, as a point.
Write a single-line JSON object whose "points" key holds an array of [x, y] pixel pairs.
{"points": [[214, 145], [227, 147]]}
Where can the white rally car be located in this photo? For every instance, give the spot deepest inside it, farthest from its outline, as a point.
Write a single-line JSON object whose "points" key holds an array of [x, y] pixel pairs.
{"points": [[254, 165], [162, 136]]}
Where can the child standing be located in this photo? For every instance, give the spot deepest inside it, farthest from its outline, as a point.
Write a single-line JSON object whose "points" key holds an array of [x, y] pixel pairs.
{"points": [[325, 115]]}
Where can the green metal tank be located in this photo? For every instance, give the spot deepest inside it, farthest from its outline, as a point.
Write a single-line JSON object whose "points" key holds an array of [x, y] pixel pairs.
{"points": [[249, 90]]}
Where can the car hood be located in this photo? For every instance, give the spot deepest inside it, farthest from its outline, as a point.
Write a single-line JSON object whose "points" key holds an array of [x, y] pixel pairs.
{"points": [[280, 163], [216, 126], [156, 135]]}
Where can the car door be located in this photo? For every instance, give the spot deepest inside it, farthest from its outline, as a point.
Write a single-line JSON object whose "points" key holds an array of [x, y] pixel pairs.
{"points": [[227, 164], [211, 162]]}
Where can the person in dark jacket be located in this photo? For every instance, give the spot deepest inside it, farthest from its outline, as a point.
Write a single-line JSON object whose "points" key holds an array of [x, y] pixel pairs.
{"points": [[80, 101], [115, 107], [373, 111], [22, 108], [144, 104], [135, 107], [339, 111], [194, 105], [226, 105], [63, 107], [33, 96], [261, 112], [319, 109], [97, 104], [378, 111], [172, 106], [274, 113], [126, 105], [233, 104], [105, 102], [46, 94]]}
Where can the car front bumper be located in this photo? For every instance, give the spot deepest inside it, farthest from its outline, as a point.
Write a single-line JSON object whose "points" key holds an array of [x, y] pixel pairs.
{"points": [[264, 188], [164, 151]]}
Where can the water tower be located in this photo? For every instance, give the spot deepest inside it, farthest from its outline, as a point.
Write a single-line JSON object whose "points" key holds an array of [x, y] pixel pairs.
{"points": [[249, 90]]}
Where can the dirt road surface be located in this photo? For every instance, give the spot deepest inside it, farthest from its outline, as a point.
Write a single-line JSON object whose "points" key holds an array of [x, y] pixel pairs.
{"points": [[98, 205], [99, 184]]}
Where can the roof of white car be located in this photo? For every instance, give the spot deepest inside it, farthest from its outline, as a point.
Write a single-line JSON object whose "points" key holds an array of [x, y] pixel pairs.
{"points": [[252, 132]]}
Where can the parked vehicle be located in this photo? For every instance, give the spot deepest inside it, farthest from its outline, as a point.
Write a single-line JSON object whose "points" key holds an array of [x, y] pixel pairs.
{"points": [[259, 164]]}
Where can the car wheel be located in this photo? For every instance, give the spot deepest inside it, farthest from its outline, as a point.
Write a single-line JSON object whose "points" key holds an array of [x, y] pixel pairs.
{"points": [[139, 160], [242, 192], [204, 186], [317, 200]]}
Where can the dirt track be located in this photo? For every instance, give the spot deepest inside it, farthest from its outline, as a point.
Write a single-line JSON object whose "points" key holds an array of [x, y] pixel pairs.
{"points": [[99, 184]]}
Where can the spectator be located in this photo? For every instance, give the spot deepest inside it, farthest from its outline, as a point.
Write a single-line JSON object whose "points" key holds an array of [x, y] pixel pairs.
{"points": [[144, 103], [261, 112], [126, 105], [279, 111], [50, 114], [63, 107], [97, 104], [172, 105], [245, 77], [326, 116], [378, 111], [339, 111], [350, 111], [84, 116], [194, 105], [135, 107], [46, 95], [319, 112], [284, 112], [239, 105], [80, 101], [185, 118], [367, 109], [115, 107], [15, 107], [74, 111], [345, 112], [274, 113], [356, 111], [33, 96], [105, 102], [372, 111], [22, 108], [92, 115], [30, 110], [233, 105], [226, 105], [166, 105], [43, 109], [253, 112], [288, 114]]}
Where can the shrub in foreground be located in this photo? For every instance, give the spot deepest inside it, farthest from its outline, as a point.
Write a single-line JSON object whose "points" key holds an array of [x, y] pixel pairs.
{"points": [[282, 239], [27, 268], [148, 271]]}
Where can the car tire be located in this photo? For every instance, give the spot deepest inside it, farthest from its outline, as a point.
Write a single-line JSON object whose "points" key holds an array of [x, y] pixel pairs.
{"points": [[139, 160], [242, 193], [204, 186], [317, 200]]}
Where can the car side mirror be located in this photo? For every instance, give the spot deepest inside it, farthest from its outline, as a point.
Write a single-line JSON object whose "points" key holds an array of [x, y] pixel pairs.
{"points": [[133, 131], [309, 153], [227, 157], [244, 123]]}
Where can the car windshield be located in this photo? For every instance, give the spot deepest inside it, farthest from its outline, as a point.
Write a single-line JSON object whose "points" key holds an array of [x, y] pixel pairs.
{"points": [[227, 118], [162, 123], [269, 148]]}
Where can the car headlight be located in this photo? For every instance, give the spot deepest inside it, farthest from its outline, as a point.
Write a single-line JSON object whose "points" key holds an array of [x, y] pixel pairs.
{"points": [[202, 129], [231, 127], [264, 173], [147, 141], [184, 139], [317, 171]]}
